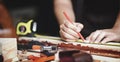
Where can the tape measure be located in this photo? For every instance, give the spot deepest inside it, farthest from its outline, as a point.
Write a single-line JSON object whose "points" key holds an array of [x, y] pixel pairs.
{"points": [[24, 28]]}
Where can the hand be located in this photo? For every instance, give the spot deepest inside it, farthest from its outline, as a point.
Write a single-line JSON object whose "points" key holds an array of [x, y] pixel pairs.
{"points": [[68, 31], [103, 36]]}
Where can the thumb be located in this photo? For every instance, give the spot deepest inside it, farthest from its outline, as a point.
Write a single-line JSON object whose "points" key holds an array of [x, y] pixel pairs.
{"points": [[79, 26]]}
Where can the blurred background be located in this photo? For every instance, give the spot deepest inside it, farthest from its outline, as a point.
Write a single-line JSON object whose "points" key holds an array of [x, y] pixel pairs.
{"points": [[40, 10]]}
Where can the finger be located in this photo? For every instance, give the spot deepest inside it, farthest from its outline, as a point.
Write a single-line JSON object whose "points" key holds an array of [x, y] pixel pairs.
{"points": [[62, 35], [100, 37], [71, 40], [79, 26], [68, 40], [107, 39], [95, 35], [89, 37], [66, 35], [71, 26], [69, 31], [87, 40]]}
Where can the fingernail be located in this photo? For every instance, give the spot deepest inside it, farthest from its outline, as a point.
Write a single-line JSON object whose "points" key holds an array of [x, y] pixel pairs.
{"points": [[86, 38], [86, 41]]}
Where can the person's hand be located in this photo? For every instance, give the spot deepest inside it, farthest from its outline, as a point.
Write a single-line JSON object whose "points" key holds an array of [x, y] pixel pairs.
{"points": [[68, 31], [103, 36]]}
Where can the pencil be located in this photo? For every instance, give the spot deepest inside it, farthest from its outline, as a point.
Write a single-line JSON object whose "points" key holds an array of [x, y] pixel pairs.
{"points": [[79, 34]]}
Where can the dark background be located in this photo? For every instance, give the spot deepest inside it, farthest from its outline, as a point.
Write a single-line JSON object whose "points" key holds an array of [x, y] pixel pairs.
{"points": [[40, 10]]}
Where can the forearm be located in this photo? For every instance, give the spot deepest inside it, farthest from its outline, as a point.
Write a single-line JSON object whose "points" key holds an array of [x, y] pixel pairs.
{"points": [[63, 5], [117, 23]]}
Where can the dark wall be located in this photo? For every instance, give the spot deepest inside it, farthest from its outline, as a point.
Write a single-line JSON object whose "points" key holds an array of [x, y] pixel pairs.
{"points": [[39, 10]]}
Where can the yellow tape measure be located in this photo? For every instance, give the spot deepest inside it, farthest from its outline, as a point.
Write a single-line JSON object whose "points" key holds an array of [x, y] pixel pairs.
{"points": [[26, 28]]}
